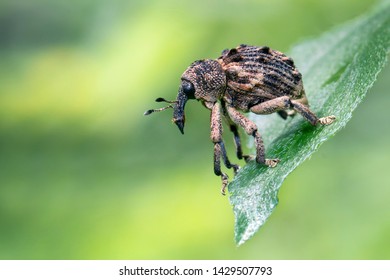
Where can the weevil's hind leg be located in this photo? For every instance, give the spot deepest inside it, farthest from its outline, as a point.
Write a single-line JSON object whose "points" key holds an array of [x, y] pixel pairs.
{"points": [[309, 115], [251, 129], [285, 102]]}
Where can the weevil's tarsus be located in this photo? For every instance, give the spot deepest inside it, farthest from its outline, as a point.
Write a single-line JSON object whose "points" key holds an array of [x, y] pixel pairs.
{"points": [[327, 120], [224, 183], [272, 162]]}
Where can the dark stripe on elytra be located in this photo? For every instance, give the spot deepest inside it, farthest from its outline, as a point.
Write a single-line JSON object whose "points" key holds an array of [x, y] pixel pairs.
{"points": [[254, 67], [288, 78], [243, 80], [275, 85], [255, 50], [272, 80], [277, 81], [262, 56], [266, 59], [233, 58], [286, 73]]}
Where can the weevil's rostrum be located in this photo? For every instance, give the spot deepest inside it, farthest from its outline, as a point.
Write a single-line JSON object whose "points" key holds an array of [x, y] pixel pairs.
{"points": [[243, 79]]}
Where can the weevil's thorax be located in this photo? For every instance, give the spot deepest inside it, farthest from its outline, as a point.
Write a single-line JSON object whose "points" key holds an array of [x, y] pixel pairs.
{"points": [[258, 74], [208, 78]]}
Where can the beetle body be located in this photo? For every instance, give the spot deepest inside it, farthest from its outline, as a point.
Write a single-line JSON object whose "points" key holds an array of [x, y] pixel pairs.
{"points": [[258, 74], [243, 79]]}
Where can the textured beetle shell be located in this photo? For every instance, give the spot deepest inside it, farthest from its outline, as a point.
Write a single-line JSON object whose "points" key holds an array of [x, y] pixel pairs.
{"points": [[258, 74], [245, 78]]}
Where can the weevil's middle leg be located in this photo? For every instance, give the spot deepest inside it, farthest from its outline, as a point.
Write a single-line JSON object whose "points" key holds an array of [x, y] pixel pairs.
{"points": [[251, 129], [226, 160], [237, 141]]}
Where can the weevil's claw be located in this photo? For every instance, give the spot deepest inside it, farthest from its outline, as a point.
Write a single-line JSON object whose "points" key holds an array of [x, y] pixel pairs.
{"points": [[327, 120], [223, 190]]}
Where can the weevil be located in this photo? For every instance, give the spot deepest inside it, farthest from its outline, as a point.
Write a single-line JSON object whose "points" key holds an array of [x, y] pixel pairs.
{"points": [[243, 79]]}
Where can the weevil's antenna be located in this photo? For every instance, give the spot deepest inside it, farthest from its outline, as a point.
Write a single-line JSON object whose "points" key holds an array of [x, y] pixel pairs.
{"points": [[148, 112], [160, 99]]}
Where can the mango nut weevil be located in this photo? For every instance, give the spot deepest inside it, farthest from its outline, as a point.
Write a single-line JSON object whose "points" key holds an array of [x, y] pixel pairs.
{"points": [[247, 79]]}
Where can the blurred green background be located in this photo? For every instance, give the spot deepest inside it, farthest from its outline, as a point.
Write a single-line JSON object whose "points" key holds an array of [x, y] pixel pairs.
{"points": [[84, 175]]}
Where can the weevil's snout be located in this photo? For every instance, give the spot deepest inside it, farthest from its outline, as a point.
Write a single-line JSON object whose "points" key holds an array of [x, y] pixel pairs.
{"points": [[178, 111], [180, 124], [186, 92]]}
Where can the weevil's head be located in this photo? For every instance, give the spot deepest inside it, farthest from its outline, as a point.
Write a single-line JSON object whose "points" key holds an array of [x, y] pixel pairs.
{"points": [[203, 80]]}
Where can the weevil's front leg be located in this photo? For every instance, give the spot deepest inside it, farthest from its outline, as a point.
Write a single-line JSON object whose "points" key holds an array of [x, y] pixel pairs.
{"points": [[251, 129], [219, 147], [217, 167]]}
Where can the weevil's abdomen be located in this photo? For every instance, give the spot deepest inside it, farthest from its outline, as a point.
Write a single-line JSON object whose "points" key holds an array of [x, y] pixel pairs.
{"points": [[257, 74]]}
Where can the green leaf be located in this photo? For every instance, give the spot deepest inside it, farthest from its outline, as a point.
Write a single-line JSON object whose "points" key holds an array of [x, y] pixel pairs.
{"points": [[338, 68]]}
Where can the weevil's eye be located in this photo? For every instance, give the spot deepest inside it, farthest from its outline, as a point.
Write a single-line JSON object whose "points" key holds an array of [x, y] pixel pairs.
{"points": [[188, 89]]}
